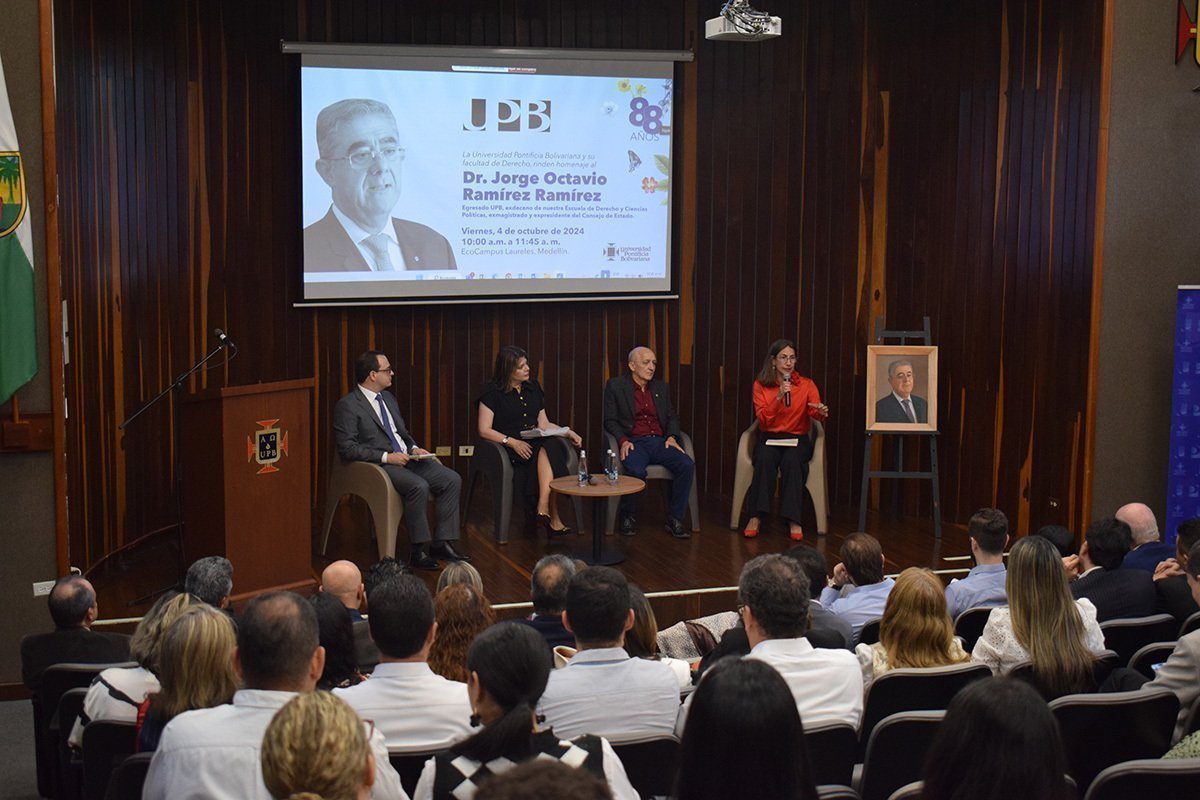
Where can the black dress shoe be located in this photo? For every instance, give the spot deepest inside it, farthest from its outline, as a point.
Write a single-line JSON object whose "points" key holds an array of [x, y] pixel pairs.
{"points": [[676, 529], [422, 560], [628, 525], [446, 551]]}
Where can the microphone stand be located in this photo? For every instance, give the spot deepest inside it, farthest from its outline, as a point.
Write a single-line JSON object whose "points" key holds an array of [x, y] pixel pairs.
{"points": [[177, 387]]}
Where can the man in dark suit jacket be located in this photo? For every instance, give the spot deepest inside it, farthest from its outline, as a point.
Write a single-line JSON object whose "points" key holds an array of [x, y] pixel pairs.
{"points": [[1117, 593], [368, 427], [892, 407], [73, 608], [1170, 578], [360, 151], [639, 414], [1147, 548]]}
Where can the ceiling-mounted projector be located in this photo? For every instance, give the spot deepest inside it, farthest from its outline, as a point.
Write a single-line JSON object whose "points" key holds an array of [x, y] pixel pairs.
{"points": [[739, 22]]}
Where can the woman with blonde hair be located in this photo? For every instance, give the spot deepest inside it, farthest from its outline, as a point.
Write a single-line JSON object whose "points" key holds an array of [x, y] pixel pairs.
{"points": [[316, 747], [195, 670], [461, 613], [460, 572], [915, 631], [1042, 623]]}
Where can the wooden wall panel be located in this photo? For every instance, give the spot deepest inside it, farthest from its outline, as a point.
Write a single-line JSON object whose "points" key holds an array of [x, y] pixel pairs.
{"points": [[882, 158]]}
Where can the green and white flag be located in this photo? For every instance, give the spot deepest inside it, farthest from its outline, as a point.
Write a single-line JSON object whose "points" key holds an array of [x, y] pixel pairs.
{"points": [[18, 339]]}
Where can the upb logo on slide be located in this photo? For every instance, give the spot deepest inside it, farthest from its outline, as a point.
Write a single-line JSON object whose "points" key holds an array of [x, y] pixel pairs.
{"points": [[12, 192], [509, 115]]}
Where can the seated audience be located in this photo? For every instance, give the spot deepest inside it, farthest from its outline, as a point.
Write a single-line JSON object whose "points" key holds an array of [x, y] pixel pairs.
{"points": [[460, 572], [1042, 624], [858, 590], [544, 780], [825, 629], [602, 690], [509, 667], [1146, 546], [998, 741], [384, 569], [73, 608], [826, 685], [1062, 539], [641, 641], [343, 580], [1116, 593], [211, 580], [316, 746], [987, 531], [214, 752], [745, 738], [195, 670], [117, 693], [365, 651], [1181, 672], [915, 630], [1170, 577], [416, 710], [461, 613], [548, 590], [337, 637]]}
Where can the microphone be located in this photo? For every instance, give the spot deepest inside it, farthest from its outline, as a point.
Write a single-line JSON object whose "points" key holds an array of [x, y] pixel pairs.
{"points": [[224, 340], [787, 396]]}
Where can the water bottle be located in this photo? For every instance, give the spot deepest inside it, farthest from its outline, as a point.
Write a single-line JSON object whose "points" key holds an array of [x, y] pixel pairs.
{"points": [[583, 468], [610, 467]]}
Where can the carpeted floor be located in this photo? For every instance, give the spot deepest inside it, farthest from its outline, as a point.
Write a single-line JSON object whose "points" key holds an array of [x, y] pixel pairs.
{"points": [[16, 751]]}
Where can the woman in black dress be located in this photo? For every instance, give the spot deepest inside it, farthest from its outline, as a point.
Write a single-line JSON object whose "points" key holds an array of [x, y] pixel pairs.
{"points": [[512, 403]]}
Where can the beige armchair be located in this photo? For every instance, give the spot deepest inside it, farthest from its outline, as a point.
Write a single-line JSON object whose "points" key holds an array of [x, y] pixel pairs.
{"points": [[744, 473], [371, 483]]}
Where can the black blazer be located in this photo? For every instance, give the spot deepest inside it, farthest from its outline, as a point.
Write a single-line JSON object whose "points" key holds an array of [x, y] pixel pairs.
{"points": [[1118, 593], [888, 409], [69, 646], [328, 248], [1175, 597], [618, 407], [359, 433]]}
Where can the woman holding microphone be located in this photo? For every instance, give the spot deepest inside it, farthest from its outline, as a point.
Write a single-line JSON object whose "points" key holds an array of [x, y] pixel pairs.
{"points": [[784, 403]]}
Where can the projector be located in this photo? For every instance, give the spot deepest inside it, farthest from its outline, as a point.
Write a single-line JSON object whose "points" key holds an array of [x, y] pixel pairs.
{"points": [[739, 22]]}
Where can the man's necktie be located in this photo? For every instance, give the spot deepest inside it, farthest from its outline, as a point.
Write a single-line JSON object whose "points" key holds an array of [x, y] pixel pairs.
{"points": [[378, 245], [908, 410], [387, 425]]}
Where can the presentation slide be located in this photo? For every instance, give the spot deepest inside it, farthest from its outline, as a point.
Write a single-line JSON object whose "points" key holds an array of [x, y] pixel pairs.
{"points": [[468, 177]]}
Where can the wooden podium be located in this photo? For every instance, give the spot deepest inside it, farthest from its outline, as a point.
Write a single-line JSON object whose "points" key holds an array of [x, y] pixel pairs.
{"points": [[247, 453]]}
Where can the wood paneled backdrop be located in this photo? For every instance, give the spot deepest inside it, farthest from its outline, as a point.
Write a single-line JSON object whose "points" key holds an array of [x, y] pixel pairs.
{"points": [[883, 158]]}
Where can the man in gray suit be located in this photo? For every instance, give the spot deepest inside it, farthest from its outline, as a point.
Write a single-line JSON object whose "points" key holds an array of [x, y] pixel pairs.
{"points": [[901, 405], [368, 427]]}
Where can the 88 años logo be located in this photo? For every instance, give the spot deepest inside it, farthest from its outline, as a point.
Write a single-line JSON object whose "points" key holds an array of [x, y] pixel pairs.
{"points": [[509, 115]]}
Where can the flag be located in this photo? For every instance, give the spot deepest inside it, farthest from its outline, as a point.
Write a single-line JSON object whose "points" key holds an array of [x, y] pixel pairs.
{"points": [[18, 337]]}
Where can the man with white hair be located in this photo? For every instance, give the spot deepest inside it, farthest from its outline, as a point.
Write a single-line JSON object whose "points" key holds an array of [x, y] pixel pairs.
{"points": [[1148, 549]]}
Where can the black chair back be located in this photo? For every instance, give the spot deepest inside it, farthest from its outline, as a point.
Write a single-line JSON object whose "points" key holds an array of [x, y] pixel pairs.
{"points": [[896, 752], [832, 751], [1126, 636], [650, 764], [1190, 624], [1103, 666], [409, 766], [105, 745], [969, 625], [1146, 657], [1099, 730], [56, 680], [70, 769], [929, 689], [825, 792], [869, 634], [128, 777], [1152, 777]]}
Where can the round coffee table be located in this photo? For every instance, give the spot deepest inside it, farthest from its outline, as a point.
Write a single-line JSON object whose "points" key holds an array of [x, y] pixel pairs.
{"points": [[599, 490]]}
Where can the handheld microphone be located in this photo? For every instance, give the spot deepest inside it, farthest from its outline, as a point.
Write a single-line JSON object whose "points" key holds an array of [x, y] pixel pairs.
{"points": [[224, 340], [787, 396]]}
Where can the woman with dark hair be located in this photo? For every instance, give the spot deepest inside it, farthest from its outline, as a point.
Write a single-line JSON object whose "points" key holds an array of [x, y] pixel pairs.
{"points": [[461, 614], [337, 637], [509, 666], [641, 641], [743, 737], [511, 403], [785, 404], [998, 740]]}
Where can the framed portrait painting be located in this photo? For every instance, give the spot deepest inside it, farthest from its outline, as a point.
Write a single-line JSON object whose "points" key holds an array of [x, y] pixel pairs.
{"points": [[901, 388]]}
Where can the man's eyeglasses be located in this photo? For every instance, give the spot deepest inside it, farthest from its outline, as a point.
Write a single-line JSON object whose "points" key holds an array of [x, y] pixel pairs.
{"points": [[388, 370], [362, 158]]}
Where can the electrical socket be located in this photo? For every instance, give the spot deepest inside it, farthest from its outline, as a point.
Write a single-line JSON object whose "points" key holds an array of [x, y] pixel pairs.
{"points": [[442, 452], [466, 450], [42, 588]]}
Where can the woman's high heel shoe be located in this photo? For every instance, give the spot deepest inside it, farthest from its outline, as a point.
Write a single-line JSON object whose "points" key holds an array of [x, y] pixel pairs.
{"points": [[544, 524]]}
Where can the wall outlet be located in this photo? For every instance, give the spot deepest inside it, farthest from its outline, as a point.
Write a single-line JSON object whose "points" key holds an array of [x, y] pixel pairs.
{"points": [[443, 451], [466, 450], [42, 588]]}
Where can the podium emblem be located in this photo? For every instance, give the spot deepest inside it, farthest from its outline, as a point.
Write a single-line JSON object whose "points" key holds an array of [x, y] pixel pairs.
{"points": [[267, 445]]}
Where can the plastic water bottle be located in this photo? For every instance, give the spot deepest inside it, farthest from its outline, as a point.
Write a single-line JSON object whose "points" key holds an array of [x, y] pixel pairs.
{"points": [[584, 477], [610, 467]]}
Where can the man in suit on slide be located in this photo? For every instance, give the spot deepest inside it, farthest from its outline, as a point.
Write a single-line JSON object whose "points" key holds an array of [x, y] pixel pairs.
{"points": [[360, 151], [901, 405], [368, 427]]}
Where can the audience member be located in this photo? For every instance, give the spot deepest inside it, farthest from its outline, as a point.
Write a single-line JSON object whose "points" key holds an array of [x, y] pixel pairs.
{"points": [[416, 710], [337, 637], [987, 531], [316, 746], [460, 572], [509, 667], [1064, 542], [382, 570], [641, 641], [1147, 548], [548, 590], [602, 690], [343, 580], [365, 651], [745, 738], [211, 580], [461, 613], [915, 630], [825, 628], [826, 685], [858, 590], [73, 608], [1181, 672], [214, 752], [1041, 623], [117, 693], [544, 780], [1170, 577], [195, 670], [1116, 593], [998, 741]]}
